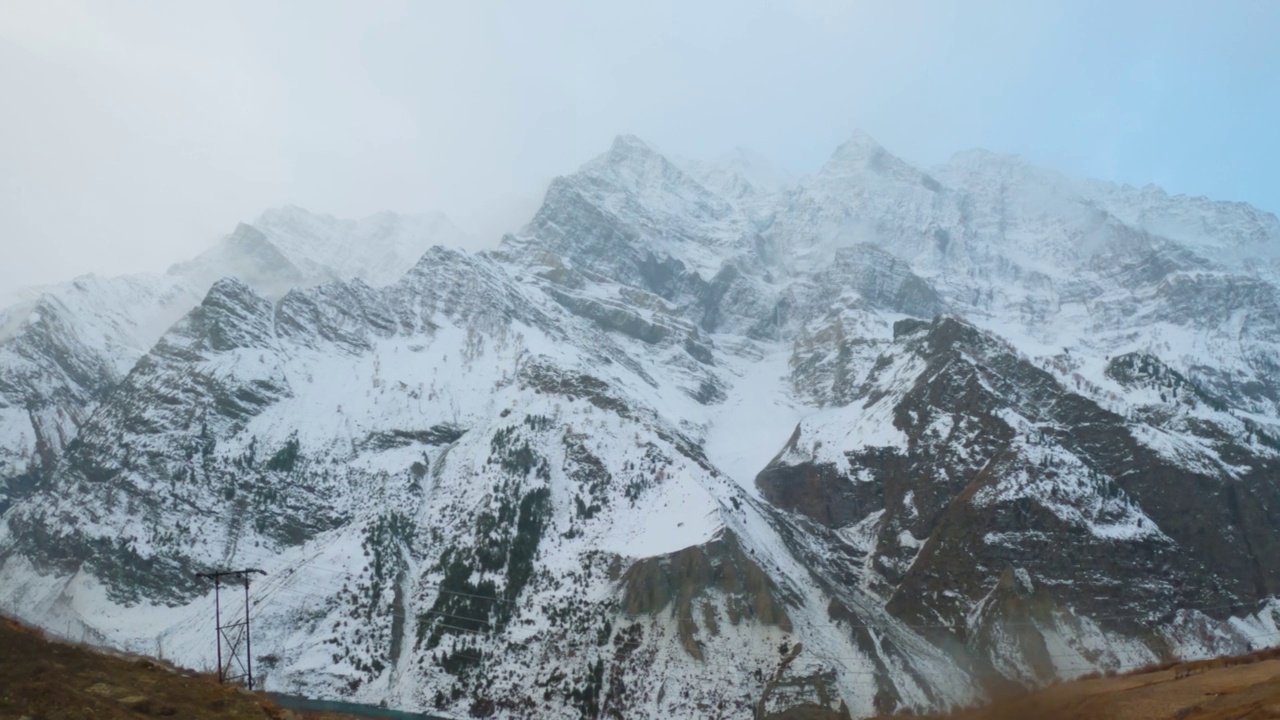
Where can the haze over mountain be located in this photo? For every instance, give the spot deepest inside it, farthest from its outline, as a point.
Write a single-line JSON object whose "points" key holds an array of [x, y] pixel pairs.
{"points": [[138, 133], [698, 439]]}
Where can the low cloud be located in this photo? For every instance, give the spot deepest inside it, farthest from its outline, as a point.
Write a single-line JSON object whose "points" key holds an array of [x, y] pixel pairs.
{"points": [[136, 133]]}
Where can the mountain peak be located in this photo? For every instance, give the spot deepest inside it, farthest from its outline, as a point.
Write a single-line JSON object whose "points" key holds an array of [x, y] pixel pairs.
{"points": [[859, 141], [861, 155], [229, 286], [629, 151], [628, 142], [294, 217], [377, 249], [633, 164], [247, 254], [246, 233]]}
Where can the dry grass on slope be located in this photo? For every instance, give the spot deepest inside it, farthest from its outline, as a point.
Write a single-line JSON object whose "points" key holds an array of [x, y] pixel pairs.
{"points": [[42, 679], [1235, 688]]}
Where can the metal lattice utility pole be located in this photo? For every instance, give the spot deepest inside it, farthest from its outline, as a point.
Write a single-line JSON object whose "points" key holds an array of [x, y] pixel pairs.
{"points": [[232, 633]]}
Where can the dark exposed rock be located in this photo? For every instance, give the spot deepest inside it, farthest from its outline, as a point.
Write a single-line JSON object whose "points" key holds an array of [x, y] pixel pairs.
{"points": [[956, 498], [675, 581], [820, 492]]}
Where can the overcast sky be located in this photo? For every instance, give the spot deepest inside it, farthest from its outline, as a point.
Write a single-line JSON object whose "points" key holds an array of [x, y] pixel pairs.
{"points": [[133, 134]]}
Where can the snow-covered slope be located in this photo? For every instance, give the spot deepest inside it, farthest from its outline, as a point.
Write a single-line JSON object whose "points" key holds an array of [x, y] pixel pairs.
{"points": [[64, 347], [695, 444], [61, 352]]}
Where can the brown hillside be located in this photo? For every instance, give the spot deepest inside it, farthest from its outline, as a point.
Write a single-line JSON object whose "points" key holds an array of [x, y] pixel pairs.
{"points": [[42, 679], [1239, 688]]}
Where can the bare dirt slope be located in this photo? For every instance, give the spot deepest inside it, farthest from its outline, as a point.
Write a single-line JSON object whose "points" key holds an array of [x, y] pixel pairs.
{"points": [[1243, 688], [42, 679]]}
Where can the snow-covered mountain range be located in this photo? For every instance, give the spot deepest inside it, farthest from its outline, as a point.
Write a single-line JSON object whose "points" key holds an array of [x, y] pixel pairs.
{"points": [[64, 347], [700, 440]]}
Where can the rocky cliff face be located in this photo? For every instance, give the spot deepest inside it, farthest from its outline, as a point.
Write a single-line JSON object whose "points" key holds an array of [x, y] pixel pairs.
{"points": [[692, 443]]}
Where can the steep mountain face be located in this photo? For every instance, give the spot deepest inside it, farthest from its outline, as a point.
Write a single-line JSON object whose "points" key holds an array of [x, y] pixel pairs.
{"points": [[959, 460], [61, 353], [692, 443], [65, 347]]}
